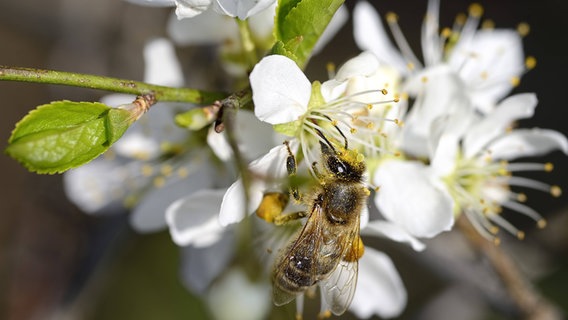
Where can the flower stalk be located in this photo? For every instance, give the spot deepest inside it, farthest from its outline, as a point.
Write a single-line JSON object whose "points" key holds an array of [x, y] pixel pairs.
{"points": [[161, 93], [530, 303]]}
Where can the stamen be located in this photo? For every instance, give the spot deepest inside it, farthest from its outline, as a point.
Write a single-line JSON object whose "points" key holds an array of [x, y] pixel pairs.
{"points": [[528, 166], [400, 40], [523, 209], [523, 29], [530, 62], [529, 183], [505, 224]]}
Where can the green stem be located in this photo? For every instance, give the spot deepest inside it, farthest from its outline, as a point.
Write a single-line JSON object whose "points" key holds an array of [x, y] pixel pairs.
{"points": [[247, 42], [161, 93]]}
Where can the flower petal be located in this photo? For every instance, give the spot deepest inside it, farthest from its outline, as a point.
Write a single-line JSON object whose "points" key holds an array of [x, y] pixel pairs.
{"points": [[370, 35], [380, 290], [162, 65], [412, 198], [487, 62], [281, 91], [206, 28], [236, 296], [191, 8], [242, 8], [393, 232], [149, 214], [200, 266], [496, 123], [272, 166], [193, 220], [528, 143], [154, 3]]}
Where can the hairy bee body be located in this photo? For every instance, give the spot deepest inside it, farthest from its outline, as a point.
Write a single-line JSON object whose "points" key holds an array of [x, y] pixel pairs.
{"points": [[329, 236]]}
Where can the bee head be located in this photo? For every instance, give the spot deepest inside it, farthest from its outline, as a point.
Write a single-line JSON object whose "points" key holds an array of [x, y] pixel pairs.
{"points": [[346, 164]]}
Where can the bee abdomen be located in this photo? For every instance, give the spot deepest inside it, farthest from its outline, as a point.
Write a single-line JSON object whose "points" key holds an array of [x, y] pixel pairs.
{"points": [[295, 277]]}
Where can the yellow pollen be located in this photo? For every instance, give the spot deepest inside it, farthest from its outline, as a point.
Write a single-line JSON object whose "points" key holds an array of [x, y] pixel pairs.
{"points": [[370, 125], [488, 24], [377, 189], [424, 79], [515, 81], [475, 10], [396, 98], [520, 235], [555, 191], [167, 170], [299, 316], [384, 92], [494, 230], [523, 29], [397, 154], [182, 172], [159, 182], [129, 201], [530, 62], [548, 167], [353, 130], [324, 315], [410, 66], [330, 66], [484, 75], [402, 96], [370, 106], [461, 18], [541, 223], [497, 241], [446, 32], [509, 129], [521, 197], [147, 170], [391, 17], [334, 123]]}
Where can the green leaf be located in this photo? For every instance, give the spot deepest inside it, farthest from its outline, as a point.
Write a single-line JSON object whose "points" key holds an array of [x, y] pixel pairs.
{"points": [[62, 135], [300, 23]]}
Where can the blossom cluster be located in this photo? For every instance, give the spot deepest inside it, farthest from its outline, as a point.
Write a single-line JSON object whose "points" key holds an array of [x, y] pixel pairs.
{"points": [[438, 137]]}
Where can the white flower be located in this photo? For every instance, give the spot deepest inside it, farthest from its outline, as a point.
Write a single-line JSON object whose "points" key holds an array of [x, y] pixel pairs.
{"points": [[284, 97], [242, 9], [476, 168], [489, 62]]}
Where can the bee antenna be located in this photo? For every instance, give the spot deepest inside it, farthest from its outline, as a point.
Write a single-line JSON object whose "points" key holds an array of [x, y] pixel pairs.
{"points": [[338, 130], [325, 140]]}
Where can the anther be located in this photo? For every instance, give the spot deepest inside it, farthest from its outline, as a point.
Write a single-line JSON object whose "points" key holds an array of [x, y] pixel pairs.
{"points": [[384, 92], [521, 197], [541, 223], [147, 170], [392, 17], [555, 191], [523, 29], [520, 235], [475, 10], [548, 167], [530, 62], [159, 182], [488, 24]]}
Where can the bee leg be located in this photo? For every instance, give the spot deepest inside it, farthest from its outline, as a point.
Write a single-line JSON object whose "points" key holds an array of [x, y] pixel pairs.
{"points": [[282, 219], [315, 169], [291, 168]]}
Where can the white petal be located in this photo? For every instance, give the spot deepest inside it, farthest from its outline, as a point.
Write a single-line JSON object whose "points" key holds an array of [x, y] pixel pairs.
{"points": [[496, 123], [242, 8], [370, 35], [262, 23], [162, 66], [150, 214], [236, 297], [200, 266], [393, 232], [365, 64], [272, 166], [281, 91], [380, 290], [442, 94], [219, 144], [412, 198], [154, 3], [528, 143], [487, 63], [446, 154], [430, 40], [94, 186], [191, 8], [193, 220], [206, 28]]}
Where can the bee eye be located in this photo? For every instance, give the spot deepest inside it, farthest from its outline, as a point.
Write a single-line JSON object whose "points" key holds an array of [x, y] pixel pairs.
{"points": [[336, 166]]}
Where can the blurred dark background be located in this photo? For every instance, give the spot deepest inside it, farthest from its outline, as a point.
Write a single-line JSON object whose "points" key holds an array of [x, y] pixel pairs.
{"points": [[58, 263]]}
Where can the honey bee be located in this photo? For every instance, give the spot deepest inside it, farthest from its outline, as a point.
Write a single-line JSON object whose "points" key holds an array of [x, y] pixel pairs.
{"points": [[327, 249]]}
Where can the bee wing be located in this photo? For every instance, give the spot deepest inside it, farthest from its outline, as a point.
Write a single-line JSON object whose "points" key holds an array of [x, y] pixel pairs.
{"points": [[338, 290], [299, 263]]}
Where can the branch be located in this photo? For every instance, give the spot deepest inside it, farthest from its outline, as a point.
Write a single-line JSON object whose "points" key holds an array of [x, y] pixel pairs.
{"points": [[161, 93], [528, 300]]}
